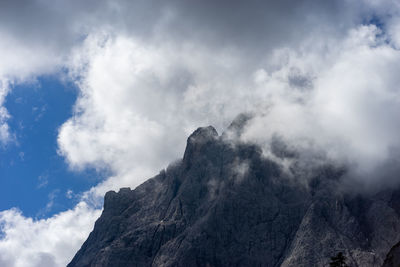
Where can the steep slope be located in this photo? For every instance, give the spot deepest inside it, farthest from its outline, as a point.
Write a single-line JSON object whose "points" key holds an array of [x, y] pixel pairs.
{"points": [[393, 257], [224, 204]]}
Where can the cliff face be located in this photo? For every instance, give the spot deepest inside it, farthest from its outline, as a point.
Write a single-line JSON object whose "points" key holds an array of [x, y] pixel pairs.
{"points": [[225, 204], [393, 257]]}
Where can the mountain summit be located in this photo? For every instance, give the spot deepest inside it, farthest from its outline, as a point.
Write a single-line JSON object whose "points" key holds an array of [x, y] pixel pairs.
{"points": [[226, 204]]}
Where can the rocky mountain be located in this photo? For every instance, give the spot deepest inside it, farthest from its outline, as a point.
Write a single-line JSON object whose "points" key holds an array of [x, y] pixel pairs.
{"points": [[393, 257], [227, 204]]}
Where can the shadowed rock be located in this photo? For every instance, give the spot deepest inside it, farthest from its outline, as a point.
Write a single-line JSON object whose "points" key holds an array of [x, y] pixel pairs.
{"points": [[393, 257], [225, 204]]}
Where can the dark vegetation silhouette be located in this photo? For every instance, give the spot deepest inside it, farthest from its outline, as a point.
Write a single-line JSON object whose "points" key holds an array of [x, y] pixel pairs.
{"points": [[338, 261]]}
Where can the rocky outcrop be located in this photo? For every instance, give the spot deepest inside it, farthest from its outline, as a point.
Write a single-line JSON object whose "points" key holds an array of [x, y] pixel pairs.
{"points": [[225, 204], [393, 257]]}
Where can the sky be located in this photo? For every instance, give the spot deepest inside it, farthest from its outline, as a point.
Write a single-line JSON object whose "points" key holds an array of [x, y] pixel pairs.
{"points": [[98, 95]]}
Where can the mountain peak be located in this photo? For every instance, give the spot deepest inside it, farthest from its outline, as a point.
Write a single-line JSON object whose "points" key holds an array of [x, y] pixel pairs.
{"points": [[203, 134], [237, 127], [225, 205], [199, 141]]}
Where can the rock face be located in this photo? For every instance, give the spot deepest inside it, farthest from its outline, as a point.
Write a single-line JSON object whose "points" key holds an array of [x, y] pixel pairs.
{"points": [[393, 257], [225, 204]]}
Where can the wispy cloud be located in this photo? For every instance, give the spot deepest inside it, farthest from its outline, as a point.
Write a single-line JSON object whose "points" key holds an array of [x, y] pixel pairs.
{"points": [[43, 180]]}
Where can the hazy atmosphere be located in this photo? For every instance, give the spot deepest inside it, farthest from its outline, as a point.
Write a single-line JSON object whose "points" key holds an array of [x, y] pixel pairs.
{"points": [[98, 95]]}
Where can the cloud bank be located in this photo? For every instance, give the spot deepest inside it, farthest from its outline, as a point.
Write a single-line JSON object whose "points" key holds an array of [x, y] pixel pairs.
{"points": [[321, 76], [46, 242]]}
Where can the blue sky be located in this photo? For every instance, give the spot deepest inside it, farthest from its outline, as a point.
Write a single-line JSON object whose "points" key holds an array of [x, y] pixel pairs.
{"points": [[32, 173]]}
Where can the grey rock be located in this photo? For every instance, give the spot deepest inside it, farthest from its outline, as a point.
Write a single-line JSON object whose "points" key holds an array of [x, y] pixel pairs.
{"points": [[393, 257], [226, 204]]}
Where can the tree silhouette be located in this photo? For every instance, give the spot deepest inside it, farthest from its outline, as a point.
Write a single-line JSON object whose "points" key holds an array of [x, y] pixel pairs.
{"points": [[338, 261]]}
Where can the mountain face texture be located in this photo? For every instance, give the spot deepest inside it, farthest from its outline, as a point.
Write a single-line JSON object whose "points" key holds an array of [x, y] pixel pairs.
{"points": [[227, 204], [393, 257]]}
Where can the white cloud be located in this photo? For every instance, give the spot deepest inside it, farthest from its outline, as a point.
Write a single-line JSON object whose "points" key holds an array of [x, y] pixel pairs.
{"points": [[4, 129], [21, 63], [139, 101], [351, 110], [40, 41], [47, 242]]}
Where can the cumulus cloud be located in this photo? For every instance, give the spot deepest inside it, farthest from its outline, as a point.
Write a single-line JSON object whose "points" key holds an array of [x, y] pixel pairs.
{"points": [[21, 62], [140, 101], [351, 110], [46, 242], [41, 39], [36, 39], [319, 75]]}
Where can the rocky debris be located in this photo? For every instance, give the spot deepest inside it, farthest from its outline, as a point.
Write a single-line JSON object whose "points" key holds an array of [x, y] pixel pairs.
{"points": [[226, 204]]}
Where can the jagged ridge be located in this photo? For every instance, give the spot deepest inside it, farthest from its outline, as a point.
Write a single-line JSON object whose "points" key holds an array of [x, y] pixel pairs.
{"points": [[224, 204]]}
